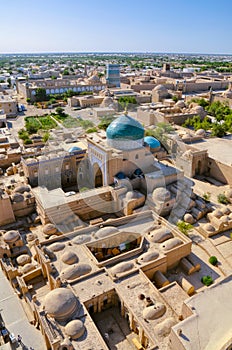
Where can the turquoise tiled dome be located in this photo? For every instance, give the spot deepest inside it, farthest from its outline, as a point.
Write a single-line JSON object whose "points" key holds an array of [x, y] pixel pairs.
{"points": [[152, 142], [125, 128], [74, 149]]}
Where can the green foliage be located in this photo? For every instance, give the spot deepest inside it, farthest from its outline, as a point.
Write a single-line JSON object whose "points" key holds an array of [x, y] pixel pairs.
{"points": [[197, 124], [60, 111], [207, 196], [201, 102], [46, 137], [23, 134], [127, 99], [28, 100], [66, 72], [28, 142], [218, 130], [207, 280], [213, 260], [9, 82], [90, 130], [222, 198], [174, 98], [105, 122], [34, 124], [83, 189], [40, 95], [184, 227]]}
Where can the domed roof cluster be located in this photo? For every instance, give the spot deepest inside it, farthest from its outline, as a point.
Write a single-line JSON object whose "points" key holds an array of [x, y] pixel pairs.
{"points": [[60, 304], [125, 128], [152, 142]]}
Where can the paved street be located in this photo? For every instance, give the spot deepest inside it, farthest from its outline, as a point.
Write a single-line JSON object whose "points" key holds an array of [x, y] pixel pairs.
{"points": [[15, 318]]}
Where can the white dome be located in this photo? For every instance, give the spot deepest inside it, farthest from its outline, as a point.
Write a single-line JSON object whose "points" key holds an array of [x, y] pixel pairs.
{"points": [[60, 303], [75, 329]]}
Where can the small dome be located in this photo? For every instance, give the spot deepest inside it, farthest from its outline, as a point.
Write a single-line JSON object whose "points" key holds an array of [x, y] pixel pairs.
{"points": [[22, 189], [74, 149], [69, 258], [125, 128], [74, 271], [159, 235], [131, 195], [148, 256], [56, 247], [75, 329], [152, 142], [200, 132], [228, 193], [106, 231], [60, 303], [17, 197], [180, 104], [208, 227], [23, 259], [28, 267], [217, 213], [154, 311], [224, 219], [188, 218], [160, 88], [107, 101], [11, 236], [122, 267], [225, 210], [171, 243], [161, 194], [81, 239], [49, 229]]}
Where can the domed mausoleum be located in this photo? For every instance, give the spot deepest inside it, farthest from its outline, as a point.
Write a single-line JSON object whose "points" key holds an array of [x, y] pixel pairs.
{"points": [[125, 133]]}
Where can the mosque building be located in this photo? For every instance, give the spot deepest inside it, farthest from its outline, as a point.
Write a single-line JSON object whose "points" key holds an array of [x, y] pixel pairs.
{"points": [[123, 152]]}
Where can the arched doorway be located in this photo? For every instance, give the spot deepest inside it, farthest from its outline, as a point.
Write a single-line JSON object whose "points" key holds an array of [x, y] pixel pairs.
{"points": [[98, 176]]}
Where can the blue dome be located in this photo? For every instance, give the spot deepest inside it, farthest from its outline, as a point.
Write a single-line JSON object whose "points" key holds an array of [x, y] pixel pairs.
{"points": [[125, 128], [152, 142], [74, 149]]}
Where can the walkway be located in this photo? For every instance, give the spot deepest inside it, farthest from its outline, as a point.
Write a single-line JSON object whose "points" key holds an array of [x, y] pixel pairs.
{"points": [[15, 318]]}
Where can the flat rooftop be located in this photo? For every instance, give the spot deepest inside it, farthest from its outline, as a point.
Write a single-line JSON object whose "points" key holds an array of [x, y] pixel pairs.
{"points": [[219, 149], [210, 325]]}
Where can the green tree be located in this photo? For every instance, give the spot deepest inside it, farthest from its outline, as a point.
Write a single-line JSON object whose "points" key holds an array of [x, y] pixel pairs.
{"points": [[40, 95], [66, 72], [9, 82]]}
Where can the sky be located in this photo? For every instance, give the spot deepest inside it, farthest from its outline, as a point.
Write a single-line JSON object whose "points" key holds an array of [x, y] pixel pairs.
{"points": [[188, 26]]}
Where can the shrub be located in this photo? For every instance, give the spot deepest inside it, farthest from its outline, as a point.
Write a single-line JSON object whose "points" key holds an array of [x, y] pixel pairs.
{"points": [[174, 98], [213, 260], [207, 196], [222, 198], [90, 130], [184, 227], [28, 142], [207, 280]]}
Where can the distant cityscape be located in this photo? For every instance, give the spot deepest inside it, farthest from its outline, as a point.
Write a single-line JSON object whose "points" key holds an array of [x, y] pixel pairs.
{"points": [[115, 201]]}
